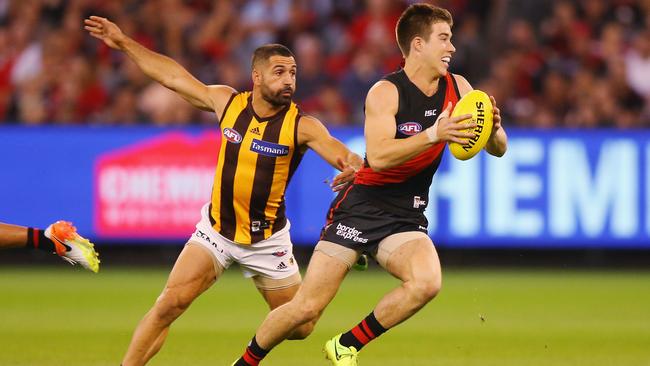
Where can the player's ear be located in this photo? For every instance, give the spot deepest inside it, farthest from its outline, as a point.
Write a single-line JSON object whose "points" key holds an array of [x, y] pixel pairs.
{"points": [[416, 44], [256, 76]]}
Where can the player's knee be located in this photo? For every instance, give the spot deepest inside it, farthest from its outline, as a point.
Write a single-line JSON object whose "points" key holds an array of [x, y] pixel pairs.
{"points": [[307, 312], [307, 315], [425, 289], [303, 331], [171, 304]]}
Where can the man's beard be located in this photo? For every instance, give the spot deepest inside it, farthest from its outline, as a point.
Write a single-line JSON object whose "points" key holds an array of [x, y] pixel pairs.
{"points": [[277, 99]]}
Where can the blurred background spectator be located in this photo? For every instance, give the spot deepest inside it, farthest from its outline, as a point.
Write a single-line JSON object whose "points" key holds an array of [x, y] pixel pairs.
{"points": [[561, 63]]}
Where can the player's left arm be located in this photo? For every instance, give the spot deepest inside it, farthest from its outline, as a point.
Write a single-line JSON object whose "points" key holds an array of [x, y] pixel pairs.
{"points": [[497, 144], [313, 134]]}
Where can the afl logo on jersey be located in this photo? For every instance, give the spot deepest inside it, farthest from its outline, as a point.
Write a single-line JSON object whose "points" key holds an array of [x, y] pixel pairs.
{"points": [[410, 128], [232, 135]]}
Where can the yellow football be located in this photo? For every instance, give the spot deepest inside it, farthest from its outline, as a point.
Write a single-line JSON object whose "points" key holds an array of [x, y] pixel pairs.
{"points": [[478, 104]]}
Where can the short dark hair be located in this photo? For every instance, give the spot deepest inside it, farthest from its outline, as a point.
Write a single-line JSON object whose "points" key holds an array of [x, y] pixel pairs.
{"points": [[416, 21], [264, 53]]}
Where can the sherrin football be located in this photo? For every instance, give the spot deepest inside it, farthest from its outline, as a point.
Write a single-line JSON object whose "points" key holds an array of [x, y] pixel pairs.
{"points": [[478, 104]]}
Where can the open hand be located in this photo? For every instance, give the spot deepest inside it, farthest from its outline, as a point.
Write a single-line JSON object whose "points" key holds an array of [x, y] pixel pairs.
{"points": [[105, 30], [345, 176]]}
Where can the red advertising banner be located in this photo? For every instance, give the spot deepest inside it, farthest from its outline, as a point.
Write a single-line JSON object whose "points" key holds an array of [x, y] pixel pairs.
{"points": [[155, 188]]}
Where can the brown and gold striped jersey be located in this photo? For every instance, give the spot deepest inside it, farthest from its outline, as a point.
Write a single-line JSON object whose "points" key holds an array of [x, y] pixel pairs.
{"points": [[257, 158]]}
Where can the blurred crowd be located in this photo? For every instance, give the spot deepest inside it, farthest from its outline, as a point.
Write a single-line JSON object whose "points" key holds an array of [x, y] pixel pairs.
{"points": [[582, 63]]}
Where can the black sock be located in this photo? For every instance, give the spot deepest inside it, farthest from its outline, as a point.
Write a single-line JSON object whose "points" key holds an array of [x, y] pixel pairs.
{"points": [[253, 355], [36, 239], [364, 332]]}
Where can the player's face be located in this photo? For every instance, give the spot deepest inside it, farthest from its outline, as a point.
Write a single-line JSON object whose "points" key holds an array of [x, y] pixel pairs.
{"points": [[278, 80], [438, 50]]}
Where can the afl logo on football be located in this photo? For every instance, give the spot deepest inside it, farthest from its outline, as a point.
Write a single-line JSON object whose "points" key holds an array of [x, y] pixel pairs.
{"points": [[232, 135], [410, 128]]}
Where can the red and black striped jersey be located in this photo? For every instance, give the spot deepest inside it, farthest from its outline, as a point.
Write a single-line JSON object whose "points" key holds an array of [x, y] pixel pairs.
{"points": [[407, 185]]}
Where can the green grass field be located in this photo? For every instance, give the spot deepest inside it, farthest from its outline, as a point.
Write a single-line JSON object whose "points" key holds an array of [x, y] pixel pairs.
{"points": [[63, 316]]}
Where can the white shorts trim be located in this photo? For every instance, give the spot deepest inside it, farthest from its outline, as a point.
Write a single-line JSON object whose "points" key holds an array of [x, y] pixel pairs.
{"points": [[271, 258]]}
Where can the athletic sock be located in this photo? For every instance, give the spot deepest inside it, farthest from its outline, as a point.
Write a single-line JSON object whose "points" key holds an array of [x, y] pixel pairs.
{"points": [[36, 239], [364, 332], [253, 355]]}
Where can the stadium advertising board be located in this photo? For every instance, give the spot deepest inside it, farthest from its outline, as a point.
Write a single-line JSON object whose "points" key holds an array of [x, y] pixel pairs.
{"points": [[552, 189], [154, 187]]}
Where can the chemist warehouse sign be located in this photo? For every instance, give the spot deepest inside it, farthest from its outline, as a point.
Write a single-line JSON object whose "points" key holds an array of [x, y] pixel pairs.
{"points": [[155, 188]]}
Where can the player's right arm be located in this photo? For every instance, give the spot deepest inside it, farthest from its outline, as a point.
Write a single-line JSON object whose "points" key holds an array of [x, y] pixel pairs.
{"points": [[161, 68], [383, 150]]}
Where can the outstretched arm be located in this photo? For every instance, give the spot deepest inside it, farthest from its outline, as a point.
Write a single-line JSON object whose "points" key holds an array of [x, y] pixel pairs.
{"points": [[314, 135], [384, 151], [161, 68]]}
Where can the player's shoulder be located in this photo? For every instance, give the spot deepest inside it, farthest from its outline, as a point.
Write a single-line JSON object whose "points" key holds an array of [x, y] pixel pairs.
{"points": [[220, 97], [308, 119], [221, 92], [464, 86], [382, 93], [309, 128], [310, 124], [383, 86]]}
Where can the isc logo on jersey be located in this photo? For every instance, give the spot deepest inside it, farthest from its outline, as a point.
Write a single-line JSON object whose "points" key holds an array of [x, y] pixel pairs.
{"points": [[232, 135], [410, 128]]}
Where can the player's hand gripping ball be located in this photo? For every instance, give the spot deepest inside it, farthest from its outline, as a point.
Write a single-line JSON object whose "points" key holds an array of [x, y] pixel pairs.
{"points": [[478, 104]]}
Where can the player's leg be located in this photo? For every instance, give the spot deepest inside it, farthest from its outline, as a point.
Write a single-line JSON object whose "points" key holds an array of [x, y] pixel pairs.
{"points": [[60, 238], [14, 236], [279, 292], [327, 269], [412, 258], [195, 270]]}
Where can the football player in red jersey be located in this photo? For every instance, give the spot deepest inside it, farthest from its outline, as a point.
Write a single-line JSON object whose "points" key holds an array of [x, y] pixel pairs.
{"points": [[407, 127]]}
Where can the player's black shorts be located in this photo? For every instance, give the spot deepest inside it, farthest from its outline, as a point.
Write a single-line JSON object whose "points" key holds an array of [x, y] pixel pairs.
{"points": [[359, 221]]}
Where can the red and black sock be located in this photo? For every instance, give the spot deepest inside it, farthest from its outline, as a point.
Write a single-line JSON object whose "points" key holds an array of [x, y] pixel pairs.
{"points": [[36, 239], [364, 332], [253, 355]]}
